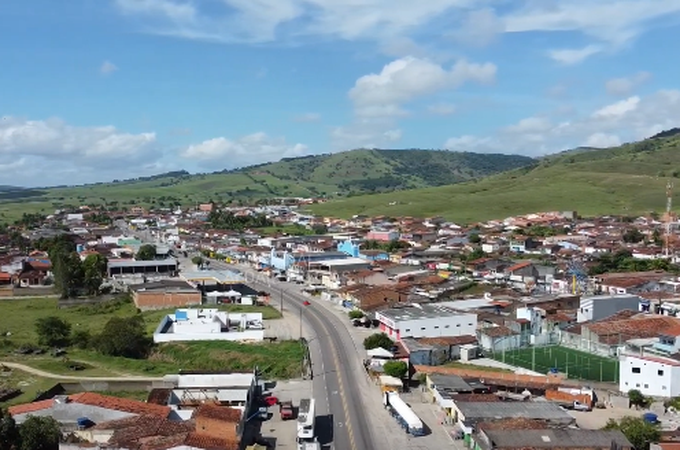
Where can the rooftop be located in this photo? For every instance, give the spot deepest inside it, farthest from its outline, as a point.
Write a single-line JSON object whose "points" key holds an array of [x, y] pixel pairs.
{"points": [[425, 311], [540, 411], [562, 438], [218, 276]]}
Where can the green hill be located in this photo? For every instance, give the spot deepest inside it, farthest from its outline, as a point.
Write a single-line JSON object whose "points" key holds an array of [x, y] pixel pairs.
{"points": [[629, 179], [339, 174]]}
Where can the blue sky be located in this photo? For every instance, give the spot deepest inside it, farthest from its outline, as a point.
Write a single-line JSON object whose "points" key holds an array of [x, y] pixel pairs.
{"points": [[92, 90]]}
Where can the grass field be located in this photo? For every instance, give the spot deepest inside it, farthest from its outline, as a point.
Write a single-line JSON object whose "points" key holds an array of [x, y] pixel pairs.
{"points": [[625, 180], [573, 363], [30, 385], [17, 317]]}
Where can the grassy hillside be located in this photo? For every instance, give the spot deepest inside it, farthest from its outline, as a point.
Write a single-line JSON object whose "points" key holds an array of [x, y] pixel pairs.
{"points": [[629, 179], [353, 172]]}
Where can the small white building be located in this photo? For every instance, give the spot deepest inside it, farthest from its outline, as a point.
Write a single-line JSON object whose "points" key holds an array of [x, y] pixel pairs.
{"points": [[209, 325], [654, 376], [600, 306], [426, 321]]}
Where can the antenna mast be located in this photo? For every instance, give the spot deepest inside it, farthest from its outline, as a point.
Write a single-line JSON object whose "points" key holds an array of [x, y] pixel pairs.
{"points": [[669, 204]]}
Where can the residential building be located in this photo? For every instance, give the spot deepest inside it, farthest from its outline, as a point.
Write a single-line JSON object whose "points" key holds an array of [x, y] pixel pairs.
{"points": [[382, 235], [654, 376], [165, 294], [594, 308], [209, 325], [426, 321]]}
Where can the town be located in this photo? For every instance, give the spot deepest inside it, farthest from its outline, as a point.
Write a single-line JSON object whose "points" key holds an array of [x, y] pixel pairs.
{"points": [[209, 327]]}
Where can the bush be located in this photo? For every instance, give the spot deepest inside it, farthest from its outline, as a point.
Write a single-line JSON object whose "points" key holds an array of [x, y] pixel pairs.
{"points": [[378, 340], [53, 331], [81, 339], [124, 336], [356, 314], [397, 369]]}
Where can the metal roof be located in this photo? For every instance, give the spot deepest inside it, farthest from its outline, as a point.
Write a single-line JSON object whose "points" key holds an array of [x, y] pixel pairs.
{"points": [[135, 263], [537, 411]]}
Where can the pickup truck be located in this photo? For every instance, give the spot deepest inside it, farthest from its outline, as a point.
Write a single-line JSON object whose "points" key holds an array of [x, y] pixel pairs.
{"points": [[286, 410], [576, 406]]}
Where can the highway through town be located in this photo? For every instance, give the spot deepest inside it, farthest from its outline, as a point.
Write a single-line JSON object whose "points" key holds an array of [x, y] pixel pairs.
{"points": [[336, 368]]}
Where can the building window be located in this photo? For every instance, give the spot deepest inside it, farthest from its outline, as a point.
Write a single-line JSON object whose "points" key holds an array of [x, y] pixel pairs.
{"points": [[626, 383], [663, 388], [436, 327], [422, 328], [446, 326], [660, 372], [636, 370], [407, 330], [637, 384], [646, 386], [458, 325]]}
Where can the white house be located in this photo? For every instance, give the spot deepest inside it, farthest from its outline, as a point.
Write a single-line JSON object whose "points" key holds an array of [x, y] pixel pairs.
{"points": [[598, 307], [655, 376], [428, 320], [209, 325]]}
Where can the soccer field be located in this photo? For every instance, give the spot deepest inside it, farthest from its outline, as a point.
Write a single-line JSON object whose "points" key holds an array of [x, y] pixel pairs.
{"points": [[575, 364]]}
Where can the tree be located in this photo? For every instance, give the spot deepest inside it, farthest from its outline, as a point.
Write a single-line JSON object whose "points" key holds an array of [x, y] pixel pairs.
{"points": [[378, 340], [198, 260], [397, 369], [147, 252], [40, 433], [81, 339], [632, 236], [637, 430], [66, 266], [9, 432], [474, 238], [124, 336], [94, 270], [636, 399], [53, 331]]}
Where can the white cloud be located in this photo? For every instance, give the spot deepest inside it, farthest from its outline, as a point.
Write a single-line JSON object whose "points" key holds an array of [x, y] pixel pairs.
{"points": [[625, 85], [441, 109], [307, 117], [250, 149], [406, 79], [54, 152], [574, 56], [631, 119], [611, 21], [479, 28], [396, 23], [107, 67], [602, 140], [380, 99], [619, 108]]}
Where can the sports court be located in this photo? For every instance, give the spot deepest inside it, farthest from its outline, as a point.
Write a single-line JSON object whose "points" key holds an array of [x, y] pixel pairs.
{"points": [[574, 363]]}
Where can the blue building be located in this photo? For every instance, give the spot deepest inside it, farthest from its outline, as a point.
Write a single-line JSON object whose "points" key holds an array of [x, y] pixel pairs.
{"points": [[353, 248]]}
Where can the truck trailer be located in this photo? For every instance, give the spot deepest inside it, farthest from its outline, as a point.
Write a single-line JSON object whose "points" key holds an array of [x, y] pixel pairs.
{"points": [[403, 413]]}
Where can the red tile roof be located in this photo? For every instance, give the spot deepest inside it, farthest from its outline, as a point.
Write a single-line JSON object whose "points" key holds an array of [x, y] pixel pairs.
{"points": [[102, 401], [216, 412]]}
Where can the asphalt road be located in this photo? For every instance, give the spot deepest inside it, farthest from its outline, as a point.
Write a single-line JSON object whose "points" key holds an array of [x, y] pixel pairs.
{"points": [[335, 365]]}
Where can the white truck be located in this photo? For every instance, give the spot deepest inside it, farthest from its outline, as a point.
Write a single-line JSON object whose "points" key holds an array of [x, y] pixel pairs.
{"points": [[306, 436]]}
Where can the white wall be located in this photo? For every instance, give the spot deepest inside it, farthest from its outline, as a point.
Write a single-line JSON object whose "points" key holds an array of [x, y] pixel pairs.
{"points": [[457, 325], [248, 335], [655, 378]]}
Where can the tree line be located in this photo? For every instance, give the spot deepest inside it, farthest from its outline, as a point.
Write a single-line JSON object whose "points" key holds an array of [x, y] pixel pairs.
{"points": [[227, 220], [121, 336]]}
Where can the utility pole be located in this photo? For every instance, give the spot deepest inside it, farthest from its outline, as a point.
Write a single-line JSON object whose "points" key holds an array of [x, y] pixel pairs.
{"points": [[669, 204]]}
